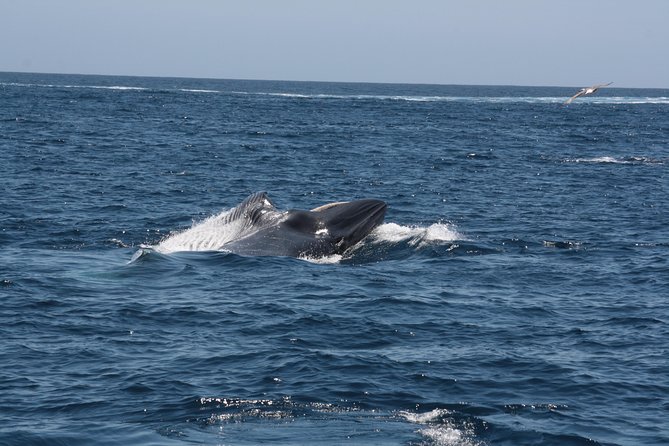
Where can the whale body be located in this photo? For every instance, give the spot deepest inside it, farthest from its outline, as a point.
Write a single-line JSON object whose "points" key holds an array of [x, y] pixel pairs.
{"points": [[256, 227]]}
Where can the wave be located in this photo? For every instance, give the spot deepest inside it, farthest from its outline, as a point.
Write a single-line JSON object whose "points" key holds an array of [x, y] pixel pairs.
{"points": [[440, 427], [415, 235], [602, 100], [110, 87], [98, 87], [472, 99], [440, 430], [616, 160], [199, 90]]}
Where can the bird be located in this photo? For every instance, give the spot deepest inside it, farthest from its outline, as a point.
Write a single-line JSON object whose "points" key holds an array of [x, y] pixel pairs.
{"points": [[586, 90]]}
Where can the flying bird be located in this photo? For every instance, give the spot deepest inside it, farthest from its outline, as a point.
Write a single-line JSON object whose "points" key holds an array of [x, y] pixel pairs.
{"points": [[587, 90]]}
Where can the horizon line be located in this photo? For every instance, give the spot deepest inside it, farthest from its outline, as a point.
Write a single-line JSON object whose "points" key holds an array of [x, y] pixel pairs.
{"points": [[312, 81]]}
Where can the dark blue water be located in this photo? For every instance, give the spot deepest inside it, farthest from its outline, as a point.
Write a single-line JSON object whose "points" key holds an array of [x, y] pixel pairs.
{"points": [[516, 294]]}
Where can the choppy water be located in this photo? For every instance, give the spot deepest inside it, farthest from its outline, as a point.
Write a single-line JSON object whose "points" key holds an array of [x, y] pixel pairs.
{"points": [[516, 294]]}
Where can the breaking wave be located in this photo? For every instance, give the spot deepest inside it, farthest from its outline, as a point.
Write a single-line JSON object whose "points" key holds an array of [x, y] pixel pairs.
{"points": [[95, 87], [617, 160], [369, 97], [477, 99], [440, 430], [415, 235]]}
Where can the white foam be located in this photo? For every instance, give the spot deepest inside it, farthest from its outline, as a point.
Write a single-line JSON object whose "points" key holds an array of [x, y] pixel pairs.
{"points": [[325, 260], [440, 232], [439, 431], [436, 232], [411, 98], [392, 232], [107, 87], [101, 87], [380, 97], [628, 100], [446, 436], [472, 99], [612, 160], [197, 90], [599, 159], [426, 417]]}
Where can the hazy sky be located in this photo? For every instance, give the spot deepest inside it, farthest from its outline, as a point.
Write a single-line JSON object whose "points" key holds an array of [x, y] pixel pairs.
{"points": [[512, 42]]}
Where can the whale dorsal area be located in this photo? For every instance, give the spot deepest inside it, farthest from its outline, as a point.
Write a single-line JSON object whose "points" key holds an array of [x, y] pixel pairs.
{"points": [[251, 209]]}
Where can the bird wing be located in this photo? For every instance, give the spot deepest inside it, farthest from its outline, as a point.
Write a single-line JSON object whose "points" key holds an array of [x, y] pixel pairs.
{"points": [[601, 85], [581, 92]]}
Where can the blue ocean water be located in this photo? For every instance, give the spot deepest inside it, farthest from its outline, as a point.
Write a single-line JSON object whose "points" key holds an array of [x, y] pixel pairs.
{"points": [[515, 295]]}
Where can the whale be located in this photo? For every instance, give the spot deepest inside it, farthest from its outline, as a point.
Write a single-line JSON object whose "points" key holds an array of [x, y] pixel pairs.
{"points": [[258, 228]]}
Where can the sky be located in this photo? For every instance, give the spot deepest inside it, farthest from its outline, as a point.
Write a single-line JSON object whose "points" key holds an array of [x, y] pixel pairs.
{"points": [[473, 42]]}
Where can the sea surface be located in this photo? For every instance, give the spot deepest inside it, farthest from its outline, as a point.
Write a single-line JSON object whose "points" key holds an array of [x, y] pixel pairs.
{"points": [[516, 294]]}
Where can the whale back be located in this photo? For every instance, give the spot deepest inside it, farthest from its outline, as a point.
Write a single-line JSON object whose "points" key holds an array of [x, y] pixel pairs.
{"points": [[252, 209]]}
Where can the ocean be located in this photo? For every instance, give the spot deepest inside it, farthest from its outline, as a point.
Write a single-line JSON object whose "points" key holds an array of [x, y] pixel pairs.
{"points": [[516, 293]]}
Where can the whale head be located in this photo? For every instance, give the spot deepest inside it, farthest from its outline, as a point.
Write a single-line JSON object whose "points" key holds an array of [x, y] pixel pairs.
{"points": [[347, 223]]}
